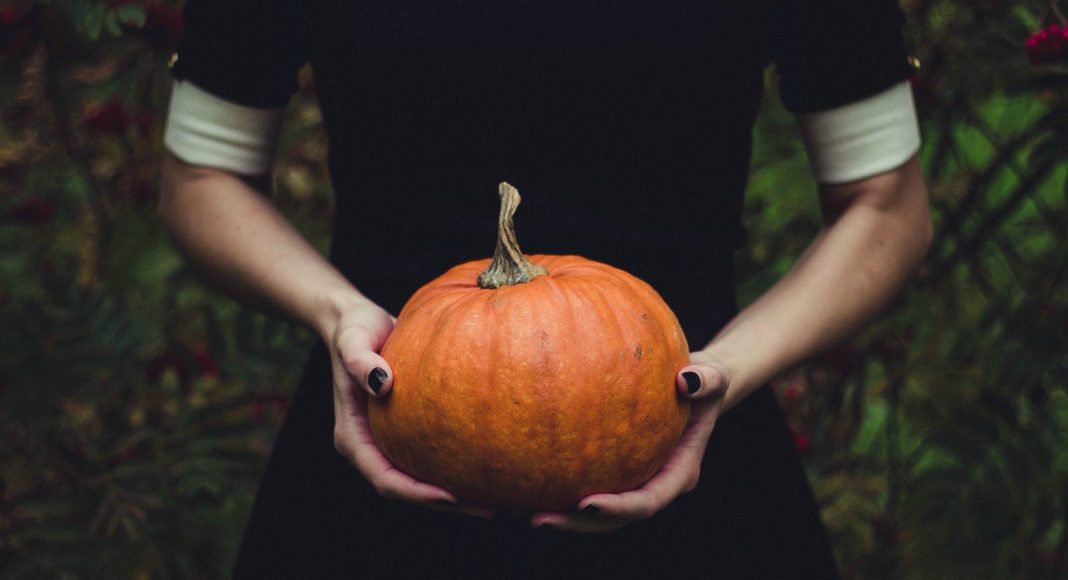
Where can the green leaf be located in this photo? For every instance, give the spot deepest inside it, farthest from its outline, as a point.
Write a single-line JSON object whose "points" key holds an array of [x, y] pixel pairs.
{"points": [[93, 20], [871, 434], [132, 15], [111, 23]]}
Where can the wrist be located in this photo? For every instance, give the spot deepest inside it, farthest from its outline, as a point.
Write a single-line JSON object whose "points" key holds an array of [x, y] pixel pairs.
{"points": [[744, 375], [331, 305]]}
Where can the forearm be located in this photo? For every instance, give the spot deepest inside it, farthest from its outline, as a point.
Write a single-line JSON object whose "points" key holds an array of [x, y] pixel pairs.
{"points": [[238, 240], [876, 233]]}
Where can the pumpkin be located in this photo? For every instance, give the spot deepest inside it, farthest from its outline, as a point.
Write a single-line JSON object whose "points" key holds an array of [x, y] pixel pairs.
{"points": [[532, 383]]}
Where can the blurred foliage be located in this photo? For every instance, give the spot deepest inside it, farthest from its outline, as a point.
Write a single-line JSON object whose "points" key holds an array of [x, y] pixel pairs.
{"points": [[137, 408], [935, 440]]}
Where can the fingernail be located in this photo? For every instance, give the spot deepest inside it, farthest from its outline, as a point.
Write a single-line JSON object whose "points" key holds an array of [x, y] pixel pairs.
{"points": [[591, 510], [376, 379], [693, 381]]}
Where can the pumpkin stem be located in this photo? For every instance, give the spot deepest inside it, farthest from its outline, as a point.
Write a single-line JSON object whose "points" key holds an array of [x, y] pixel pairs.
{"points": [[509, 266]]}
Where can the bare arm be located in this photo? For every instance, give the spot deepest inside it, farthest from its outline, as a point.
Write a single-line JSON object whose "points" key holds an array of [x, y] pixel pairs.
{"points": [[240, 242], [876, 232], [237, 239]]}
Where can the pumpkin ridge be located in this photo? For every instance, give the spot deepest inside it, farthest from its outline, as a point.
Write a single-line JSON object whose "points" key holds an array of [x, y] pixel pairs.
{"points": [[657, 307], [563, 266], [431, 289], [595, 308], [467, 367], [546, 322], [626, 329], [658, 362], [635, 284], [424, 412], [527, 426], [559, 344], [405, 398], [458, 366]]}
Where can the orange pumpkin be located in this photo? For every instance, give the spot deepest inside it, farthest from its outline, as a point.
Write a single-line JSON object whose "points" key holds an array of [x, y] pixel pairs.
{"points": [[531, 384]]}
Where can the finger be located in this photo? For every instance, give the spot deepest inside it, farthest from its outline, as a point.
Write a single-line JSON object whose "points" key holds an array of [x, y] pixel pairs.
{"points": [[582, 523], [610, 511], [638, 504], [356, 443], [703, 380], [607, 512], [368, 370], [395, 484], [358, 346], [354, 439], [388, 481], [392, 483]]}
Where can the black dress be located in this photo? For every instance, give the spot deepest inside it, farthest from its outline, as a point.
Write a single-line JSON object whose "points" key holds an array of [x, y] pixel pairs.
{"points": [[627, 127]]}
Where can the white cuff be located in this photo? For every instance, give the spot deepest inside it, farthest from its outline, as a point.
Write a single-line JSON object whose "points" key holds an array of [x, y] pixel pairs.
{"points": [[863, 138], [203, 129]]}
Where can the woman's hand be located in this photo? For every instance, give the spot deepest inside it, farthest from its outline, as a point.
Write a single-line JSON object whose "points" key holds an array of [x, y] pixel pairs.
{"points": [[360, 372], [705, 381]]}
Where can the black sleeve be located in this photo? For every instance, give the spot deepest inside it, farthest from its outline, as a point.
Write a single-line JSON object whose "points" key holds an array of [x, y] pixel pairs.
{"points": [[833, 52], [245, 51]]}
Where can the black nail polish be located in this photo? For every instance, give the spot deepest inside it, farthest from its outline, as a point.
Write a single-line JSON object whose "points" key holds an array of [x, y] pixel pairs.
{"points": [[376, 379], [693, 381], [591, 510]]}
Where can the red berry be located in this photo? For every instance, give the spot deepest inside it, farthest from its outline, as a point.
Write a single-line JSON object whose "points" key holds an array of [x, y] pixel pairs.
{"points": [[14, 35], [802, 442], [163, 26], [8, 16], [1048, 46], [205, 363], [110, 117]]}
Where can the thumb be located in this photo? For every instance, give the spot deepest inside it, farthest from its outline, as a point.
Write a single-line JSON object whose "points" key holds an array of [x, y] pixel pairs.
{"points": [[703, 380], [368, 369]]}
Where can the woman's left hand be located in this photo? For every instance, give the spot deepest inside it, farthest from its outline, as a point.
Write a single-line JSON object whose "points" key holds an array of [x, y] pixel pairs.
{"points": [[705, 381]]}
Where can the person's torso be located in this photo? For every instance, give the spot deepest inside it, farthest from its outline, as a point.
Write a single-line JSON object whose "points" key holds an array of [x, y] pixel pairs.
{"points": [[625, 125]]}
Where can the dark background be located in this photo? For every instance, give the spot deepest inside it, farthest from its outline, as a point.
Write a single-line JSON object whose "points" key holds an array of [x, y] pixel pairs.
{"points": [[137, 407]]}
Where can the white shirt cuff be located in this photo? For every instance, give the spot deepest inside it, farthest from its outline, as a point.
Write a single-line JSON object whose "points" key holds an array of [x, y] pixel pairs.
{"points": [[863, 138], [203, 129]]}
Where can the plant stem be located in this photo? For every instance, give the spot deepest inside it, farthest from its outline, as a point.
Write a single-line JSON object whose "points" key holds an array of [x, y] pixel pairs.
{"points": [[1057, 11], [509, 266]]}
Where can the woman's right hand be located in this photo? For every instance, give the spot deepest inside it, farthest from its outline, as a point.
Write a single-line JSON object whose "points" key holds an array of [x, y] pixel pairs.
{"points": [[360, 372]]}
